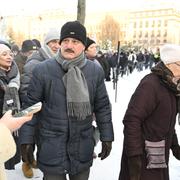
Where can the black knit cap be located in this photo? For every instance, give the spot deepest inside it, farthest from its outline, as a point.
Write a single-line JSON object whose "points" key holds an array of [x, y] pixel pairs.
{"points": [[28, 45], [89, 42], [73, 29]]}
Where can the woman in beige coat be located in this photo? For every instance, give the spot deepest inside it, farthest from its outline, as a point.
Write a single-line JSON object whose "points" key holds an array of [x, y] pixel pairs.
{"points": [[8, 123]]}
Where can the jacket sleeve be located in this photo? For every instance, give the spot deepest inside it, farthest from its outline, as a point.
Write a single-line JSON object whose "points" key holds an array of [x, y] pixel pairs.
{"points": [[7, 144], [15, 82], [34, 93], [102, 109], [25, 79], [141, 105]]}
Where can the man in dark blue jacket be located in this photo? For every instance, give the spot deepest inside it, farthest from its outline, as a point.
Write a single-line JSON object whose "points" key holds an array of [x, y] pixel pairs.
{"points": [[71, 89]]}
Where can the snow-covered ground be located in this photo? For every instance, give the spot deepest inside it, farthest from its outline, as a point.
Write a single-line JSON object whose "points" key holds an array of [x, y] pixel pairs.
{"points": [[109, 168]]}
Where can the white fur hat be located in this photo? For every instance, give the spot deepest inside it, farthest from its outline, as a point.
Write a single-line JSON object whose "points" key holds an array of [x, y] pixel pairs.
{"points": [[170, 53]]}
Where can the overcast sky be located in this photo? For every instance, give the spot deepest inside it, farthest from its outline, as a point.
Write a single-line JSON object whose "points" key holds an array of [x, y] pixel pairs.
{"points": [[8, 6]]}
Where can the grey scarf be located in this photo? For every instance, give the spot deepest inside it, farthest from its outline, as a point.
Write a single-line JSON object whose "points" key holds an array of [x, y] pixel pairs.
{"points": [[77, 94]]}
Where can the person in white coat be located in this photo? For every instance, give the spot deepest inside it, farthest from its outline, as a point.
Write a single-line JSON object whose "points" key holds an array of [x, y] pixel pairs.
{"points": [[8, 124]]}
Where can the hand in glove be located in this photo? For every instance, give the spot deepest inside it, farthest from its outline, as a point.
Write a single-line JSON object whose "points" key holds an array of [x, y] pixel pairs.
{"points": [[175, 146], [106, 149], [27, 153], [11, 100], [176, 151], [135, 164]]}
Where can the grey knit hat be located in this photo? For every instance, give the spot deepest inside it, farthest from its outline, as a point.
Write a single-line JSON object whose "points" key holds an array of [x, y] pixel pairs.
{"points": [[52, 34]]}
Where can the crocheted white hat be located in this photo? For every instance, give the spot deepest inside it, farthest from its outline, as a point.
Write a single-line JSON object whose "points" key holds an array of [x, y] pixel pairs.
{"points": [[170, 53]]}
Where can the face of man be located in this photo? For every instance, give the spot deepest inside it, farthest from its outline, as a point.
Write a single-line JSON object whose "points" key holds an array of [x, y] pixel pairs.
{"points": [[91, 51], [6, 56], [28, 53], [54, 45], [71, 48]]}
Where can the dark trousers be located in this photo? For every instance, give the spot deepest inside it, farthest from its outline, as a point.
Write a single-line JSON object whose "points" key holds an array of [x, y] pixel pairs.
{"points": [[80, 176]]}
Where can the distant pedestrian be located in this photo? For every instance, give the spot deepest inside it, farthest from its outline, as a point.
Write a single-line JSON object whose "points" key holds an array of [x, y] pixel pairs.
{"points": [[27, 48], [37, 42]]}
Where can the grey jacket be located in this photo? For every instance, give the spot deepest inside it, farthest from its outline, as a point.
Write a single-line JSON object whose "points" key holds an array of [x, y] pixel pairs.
{"points": [[31, 62]]}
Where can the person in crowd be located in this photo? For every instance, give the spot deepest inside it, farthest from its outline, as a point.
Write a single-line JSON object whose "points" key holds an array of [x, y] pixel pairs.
{"points": [[123, 63], [131, 61], [15, 49], [140, 60], [156, 56], [149, 121], [48, 50], [70, 95], [91, 50], [27, 48], [9, 97], [37, 42], [8, 124], [104, 64]]}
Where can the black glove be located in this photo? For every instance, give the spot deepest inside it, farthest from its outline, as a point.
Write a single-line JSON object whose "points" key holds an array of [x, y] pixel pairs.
{"points": [[175, 146], [106, 149], [11, 100], [27, 153], [135, 164], [176, 151]]}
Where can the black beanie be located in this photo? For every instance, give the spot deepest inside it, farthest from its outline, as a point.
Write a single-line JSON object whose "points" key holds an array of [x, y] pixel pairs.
{"points": [[73, 29], [89, 42], [28, 45]]}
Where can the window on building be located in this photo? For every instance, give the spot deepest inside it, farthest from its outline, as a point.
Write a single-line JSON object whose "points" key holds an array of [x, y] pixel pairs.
{"points": [[158, 41], [140, 24], [145, 41], [159, 23], [153, 23], [165, 23], [164, 41], [134, 35], [165, 33], [140, 34], [147, 24], [146, 34], [134, 24], [152, 34], [158, 33], [151, 41]]}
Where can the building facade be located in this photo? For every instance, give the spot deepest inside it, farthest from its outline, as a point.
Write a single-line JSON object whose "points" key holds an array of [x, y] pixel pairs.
{"points": [[154, 27], [148, 27]]}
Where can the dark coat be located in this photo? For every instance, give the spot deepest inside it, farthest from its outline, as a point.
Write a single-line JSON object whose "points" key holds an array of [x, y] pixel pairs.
{"points": [[32, 61], [65, 145], [5, 79], [20, 60], [151, 115]]}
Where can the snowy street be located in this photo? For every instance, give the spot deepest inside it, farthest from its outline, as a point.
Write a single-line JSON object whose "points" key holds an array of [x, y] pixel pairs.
{"points": [[110, 167]]}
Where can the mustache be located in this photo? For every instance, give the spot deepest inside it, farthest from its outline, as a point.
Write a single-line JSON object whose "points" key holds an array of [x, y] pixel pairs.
{"points": [[69, 50]]}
